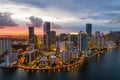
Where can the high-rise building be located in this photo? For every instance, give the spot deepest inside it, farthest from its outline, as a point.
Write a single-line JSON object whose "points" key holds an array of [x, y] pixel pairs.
{"points": [[98, 43], [5, 46], [89, 29], [98, 40], [53, 40], [115, 36], [38, 41], [69, 46], [97, 34], [63, 37], [31, 38], [31, 35], [53, 37], [47, 35], [57, 44], [83, 38], [90, 43], [62, 46], [73, 37]]}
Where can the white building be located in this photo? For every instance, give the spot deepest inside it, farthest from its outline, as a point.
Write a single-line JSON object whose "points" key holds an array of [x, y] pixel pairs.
{"points": [[53, 59], [7, 60], [31, 55], [5, 45], [43, 61]]}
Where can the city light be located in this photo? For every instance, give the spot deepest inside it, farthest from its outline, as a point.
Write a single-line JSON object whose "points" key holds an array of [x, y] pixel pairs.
{"points": [[74, 33]]}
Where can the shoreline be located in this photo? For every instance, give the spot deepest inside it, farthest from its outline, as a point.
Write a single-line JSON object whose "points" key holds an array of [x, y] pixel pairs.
{"points": [[78, 63]]}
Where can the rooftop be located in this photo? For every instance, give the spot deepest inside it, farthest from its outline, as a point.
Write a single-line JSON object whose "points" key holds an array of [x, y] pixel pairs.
{"points": [[53, 56]]}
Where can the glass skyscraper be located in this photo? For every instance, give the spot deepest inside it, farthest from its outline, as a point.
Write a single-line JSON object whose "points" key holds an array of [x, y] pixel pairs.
{"points": [[31, 38], [53, 37], [47, 35], [83, 38], [31, 35], [89, 29]]}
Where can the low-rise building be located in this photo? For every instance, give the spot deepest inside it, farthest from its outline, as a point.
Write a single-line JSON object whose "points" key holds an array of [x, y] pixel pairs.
{"points": [[43, 61], [65, 57], [53, 59]]}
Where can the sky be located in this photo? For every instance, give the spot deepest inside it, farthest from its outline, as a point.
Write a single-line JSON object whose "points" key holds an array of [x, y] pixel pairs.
{"points": [[65, 15]]}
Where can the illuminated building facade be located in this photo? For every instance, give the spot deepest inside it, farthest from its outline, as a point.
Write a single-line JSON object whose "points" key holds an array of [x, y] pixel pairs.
{"points": [[38, 41], [73, 37], [90, 43], [98, 41], [62, 46]]}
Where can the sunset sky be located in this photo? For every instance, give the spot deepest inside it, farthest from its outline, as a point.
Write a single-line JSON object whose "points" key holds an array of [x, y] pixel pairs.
{"points": [[65, 15]]}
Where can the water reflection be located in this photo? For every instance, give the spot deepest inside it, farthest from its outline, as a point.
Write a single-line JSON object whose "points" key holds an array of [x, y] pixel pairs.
{"points": [[73, 74], [19, 75], [99, 55], [0, 72]]}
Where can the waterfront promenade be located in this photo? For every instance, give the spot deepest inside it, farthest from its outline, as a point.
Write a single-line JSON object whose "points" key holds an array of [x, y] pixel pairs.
{"points": [[78, 63]]}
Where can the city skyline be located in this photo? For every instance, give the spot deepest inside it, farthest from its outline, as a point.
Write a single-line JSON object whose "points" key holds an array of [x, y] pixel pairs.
{"points": [[59, 40], [73, 15]]}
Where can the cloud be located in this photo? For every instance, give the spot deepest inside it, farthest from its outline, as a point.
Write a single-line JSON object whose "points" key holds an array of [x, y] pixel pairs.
{"points": [[37, 3], [114, 21], [72, 12], [5, 20], [55, 26], [73, 5], [35, 21], [38, 22]]}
